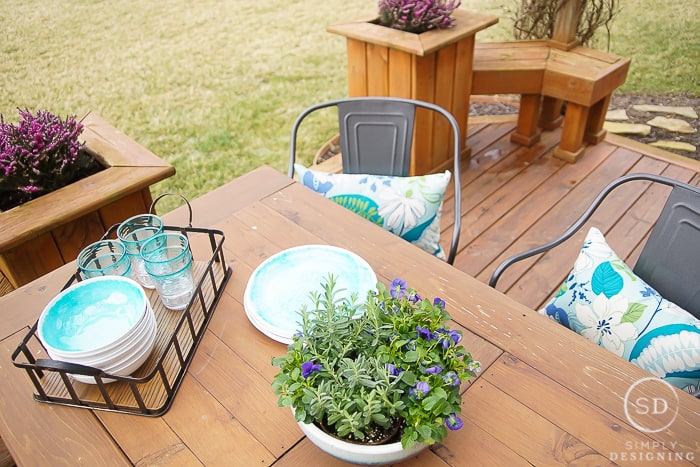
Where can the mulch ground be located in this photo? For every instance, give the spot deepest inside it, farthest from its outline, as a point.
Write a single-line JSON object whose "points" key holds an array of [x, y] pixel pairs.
{"points": [[491, 105]]}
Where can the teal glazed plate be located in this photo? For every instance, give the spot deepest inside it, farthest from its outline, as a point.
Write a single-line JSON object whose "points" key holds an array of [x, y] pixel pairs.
{"points": [[282, 285]]}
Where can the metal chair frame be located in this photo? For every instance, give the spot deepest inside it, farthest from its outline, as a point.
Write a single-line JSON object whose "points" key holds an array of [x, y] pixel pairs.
{"points": [[670, 259], [376, 136]]}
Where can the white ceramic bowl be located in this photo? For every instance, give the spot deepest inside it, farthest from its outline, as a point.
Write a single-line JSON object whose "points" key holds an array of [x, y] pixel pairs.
{"points": [[124, 365], [104, 322], [113, 357], [92, 315], [383, 454], [135, 334]]}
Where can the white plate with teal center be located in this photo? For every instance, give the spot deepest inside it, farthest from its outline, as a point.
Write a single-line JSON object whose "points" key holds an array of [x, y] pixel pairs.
{"points": [[282, 284]]}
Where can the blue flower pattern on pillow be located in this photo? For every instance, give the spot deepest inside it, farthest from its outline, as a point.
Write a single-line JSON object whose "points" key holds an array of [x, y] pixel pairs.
{"points": [[603, 300], [309, 180], [409, 207]]}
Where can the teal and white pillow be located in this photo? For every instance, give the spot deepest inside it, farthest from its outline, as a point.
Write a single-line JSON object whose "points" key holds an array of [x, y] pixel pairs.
{"points": [[409, 207], [604, 301]]}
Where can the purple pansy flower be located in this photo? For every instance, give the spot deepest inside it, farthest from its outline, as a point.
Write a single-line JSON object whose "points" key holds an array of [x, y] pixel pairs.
{"points": [[424, 333], [439, 302], [453, 422], [434, 370], [419, 390], [307, 368], [448, 338], [451, 379], [391, 369], [455, 336], [398, 288]]}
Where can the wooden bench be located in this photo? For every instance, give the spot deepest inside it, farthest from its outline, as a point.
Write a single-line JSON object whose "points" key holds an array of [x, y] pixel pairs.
{"points": [[546, 73]]}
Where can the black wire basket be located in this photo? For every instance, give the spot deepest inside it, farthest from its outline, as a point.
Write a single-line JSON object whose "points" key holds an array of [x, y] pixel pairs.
{"points": [[150, 390]]}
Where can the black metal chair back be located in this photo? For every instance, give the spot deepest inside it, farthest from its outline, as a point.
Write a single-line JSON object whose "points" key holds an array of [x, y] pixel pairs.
{"points": [[670, 260]]}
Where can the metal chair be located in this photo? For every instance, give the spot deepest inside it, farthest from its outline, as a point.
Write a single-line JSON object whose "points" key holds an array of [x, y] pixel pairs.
{"points": [[376, 134], [670, 259]]}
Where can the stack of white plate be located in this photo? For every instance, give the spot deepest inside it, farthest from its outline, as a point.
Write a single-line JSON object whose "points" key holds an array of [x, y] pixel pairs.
{"points": [[104, 322], [281, 285]]}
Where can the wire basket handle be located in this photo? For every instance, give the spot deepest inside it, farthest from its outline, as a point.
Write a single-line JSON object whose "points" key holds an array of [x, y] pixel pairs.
{"points": [[189, 207]]}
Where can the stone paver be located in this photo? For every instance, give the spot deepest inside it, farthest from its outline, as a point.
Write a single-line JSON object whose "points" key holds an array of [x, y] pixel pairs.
{"points": [[616, 115], [688, 112], [672, 124], [618, 120], [622, 128], [679, 145], [615, 122]]}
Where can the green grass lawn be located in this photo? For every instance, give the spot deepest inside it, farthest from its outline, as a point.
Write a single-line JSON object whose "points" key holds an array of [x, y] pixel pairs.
{"points": [[213, 87]]}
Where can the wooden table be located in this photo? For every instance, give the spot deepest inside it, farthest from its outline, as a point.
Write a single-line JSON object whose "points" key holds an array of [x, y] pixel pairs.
{"points": [[546, 396]]}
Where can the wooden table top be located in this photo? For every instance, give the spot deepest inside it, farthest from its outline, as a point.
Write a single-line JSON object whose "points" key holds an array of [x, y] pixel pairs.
{"points": [[545, 396]]}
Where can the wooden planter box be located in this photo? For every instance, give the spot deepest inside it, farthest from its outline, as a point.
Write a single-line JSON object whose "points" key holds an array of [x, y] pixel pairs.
{"points": [[435, 66], [47, 232]]}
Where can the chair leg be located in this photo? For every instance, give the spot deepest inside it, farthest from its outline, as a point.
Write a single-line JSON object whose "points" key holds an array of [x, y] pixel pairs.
{"points": [[596, 118], [550, 116], [528, 132], [571, 145]]}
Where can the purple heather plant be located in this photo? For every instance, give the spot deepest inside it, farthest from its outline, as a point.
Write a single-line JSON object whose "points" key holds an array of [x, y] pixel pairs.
{"points": [[417, 15], [39, 155]]}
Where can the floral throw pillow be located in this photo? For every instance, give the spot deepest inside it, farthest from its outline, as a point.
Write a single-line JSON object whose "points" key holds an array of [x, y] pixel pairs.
{"points": [[409, 207], [604, 301]]}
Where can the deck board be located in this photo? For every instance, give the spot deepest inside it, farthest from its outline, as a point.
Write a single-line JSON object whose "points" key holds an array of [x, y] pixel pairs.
{"points": [[514, 198]]}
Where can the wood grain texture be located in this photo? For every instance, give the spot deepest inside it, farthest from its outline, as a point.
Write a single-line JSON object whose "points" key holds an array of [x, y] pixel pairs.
{"points": [[556, 403], [6, 459], [546, 396], [434, 66], [41, 434], [162, 446], [531, 435], [558, 71], [567, 20], [27, 261], [366, 28], [357, 68]]}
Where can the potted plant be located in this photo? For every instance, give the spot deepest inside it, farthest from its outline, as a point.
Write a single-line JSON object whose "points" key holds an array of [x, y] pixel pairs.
{"points": [[63, 183], [418, 49], [40, 154], [388, 370], [417, 16]]}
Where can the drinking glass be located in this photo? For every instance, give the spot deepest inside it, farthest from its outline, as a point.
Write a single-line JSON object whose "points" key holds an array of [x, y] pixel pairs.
{"points": [[134, 232], [168, 260], [105, 258]]}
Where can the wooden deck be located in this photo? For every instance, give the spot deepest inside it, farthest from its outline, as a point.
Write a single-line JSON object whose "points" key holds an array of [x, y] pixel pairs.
{"points": [[514, 198]]}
